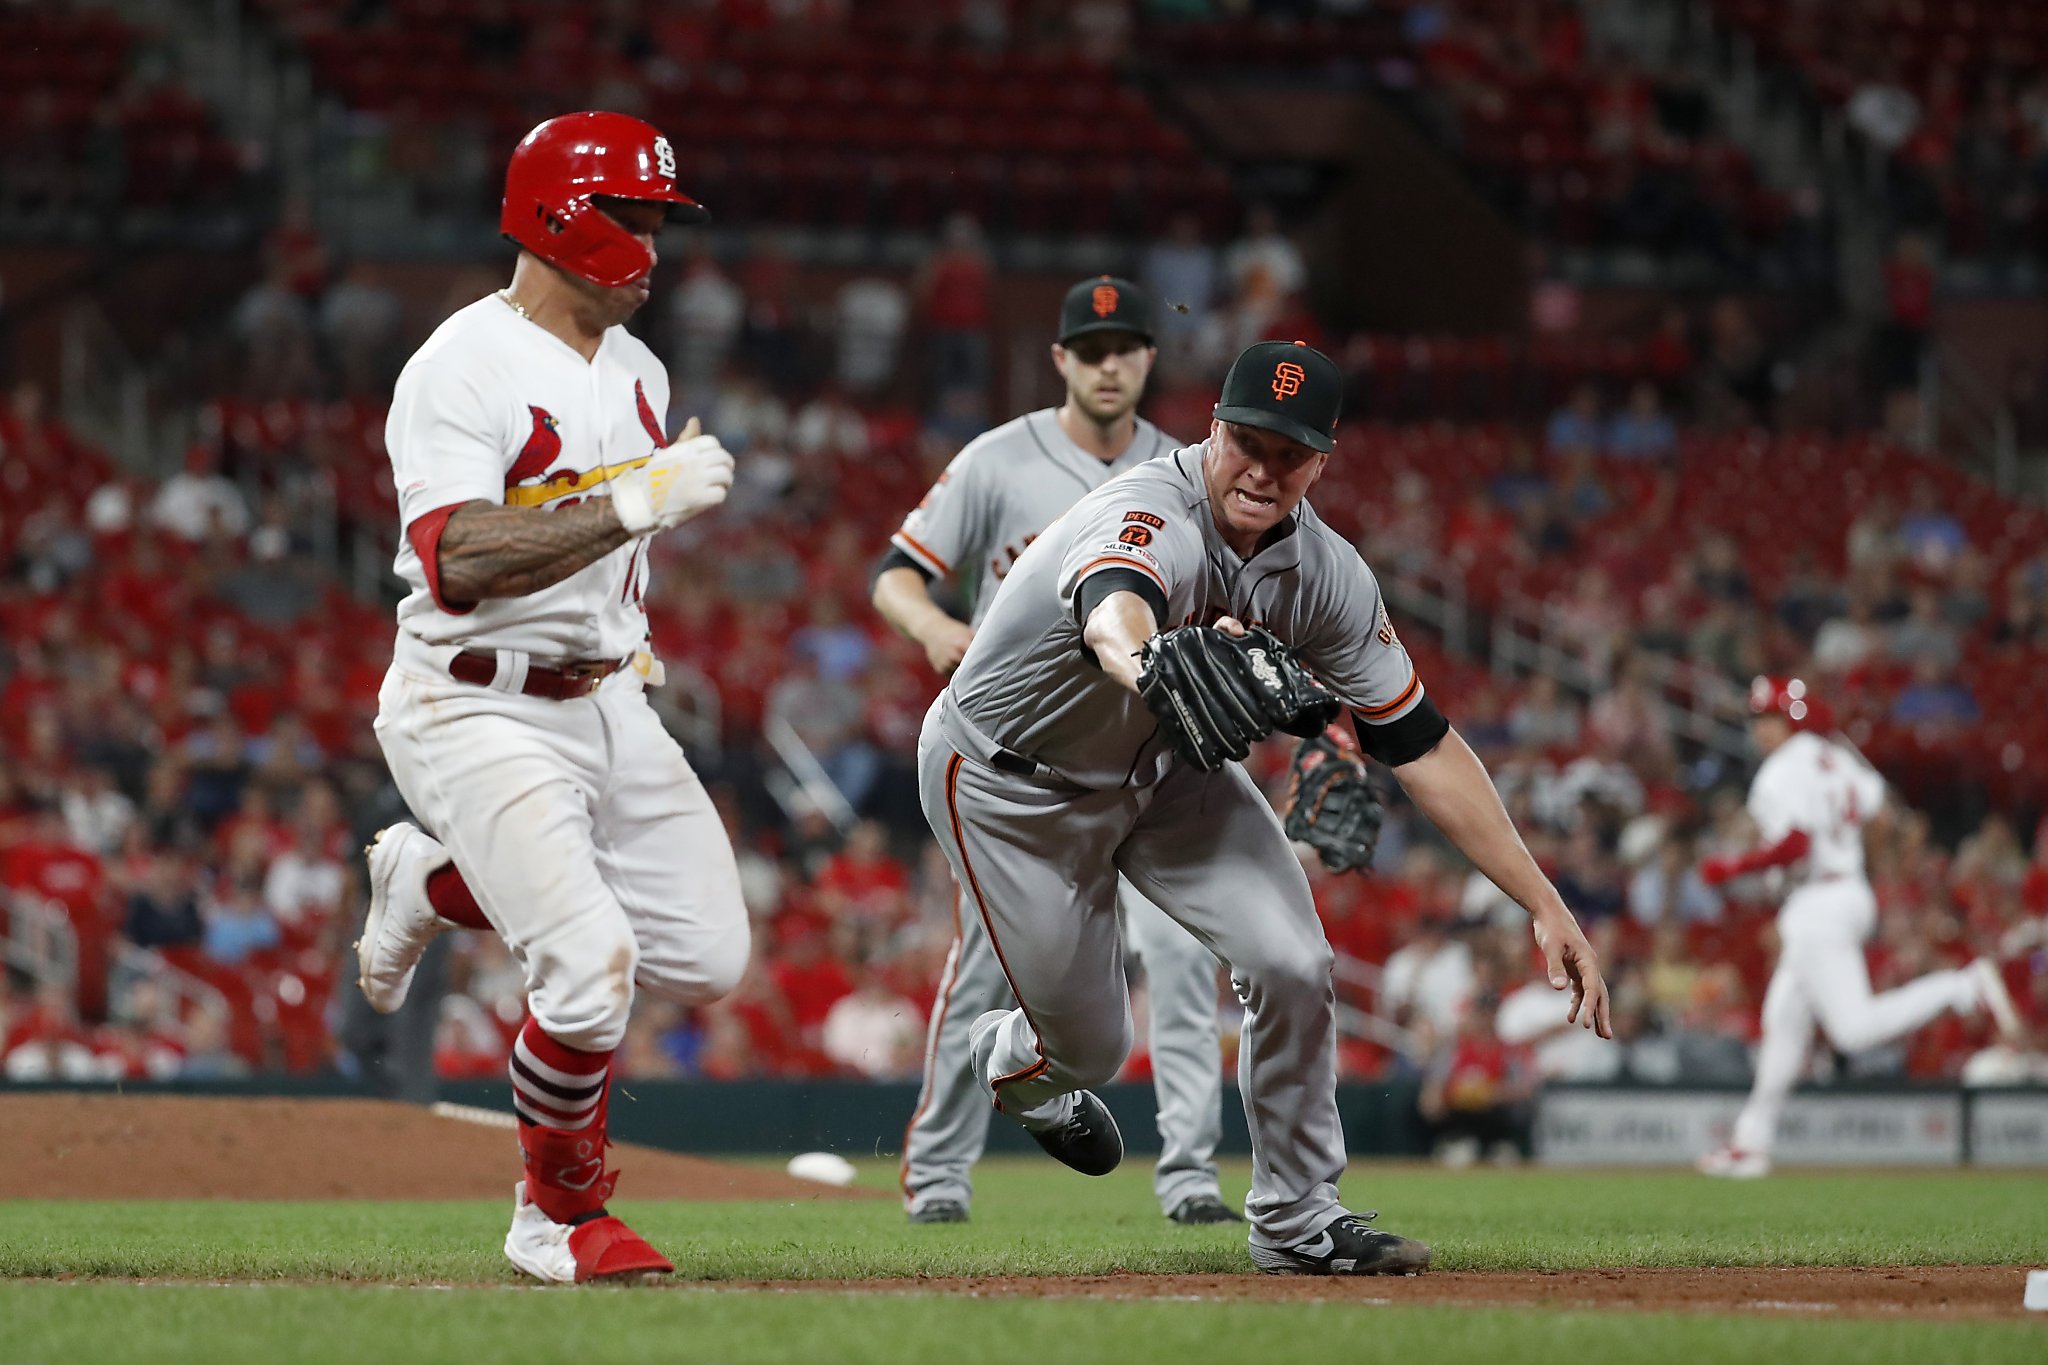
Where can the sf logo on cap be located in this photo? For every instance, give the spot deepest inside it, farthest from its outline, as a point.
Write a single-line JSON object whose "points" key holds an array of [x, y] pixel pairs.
{"points": [[1104, 300], [1287, 379], [664, 157]]}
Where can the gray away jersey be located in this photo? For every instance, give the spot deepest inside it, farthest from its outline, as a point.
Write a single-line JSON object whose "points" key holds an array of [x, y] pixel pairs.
{"points": [[1000, 493], [1026, 686]]}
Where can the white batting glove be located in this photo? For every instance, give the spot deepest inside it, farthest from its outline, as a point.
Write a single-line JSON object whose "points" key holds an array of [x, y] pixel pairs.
{"points": [[677, 483]]}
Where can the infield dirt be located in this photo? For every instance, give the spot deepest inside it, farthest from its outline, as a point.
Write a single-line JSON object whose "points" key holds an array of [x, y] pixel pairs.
{"points": [[73, 1146]]}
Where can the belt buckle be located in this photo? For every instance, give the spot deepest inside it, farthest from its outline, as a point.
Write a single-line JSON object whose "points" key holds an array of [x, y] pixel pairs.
{"points": [[587, 674]]}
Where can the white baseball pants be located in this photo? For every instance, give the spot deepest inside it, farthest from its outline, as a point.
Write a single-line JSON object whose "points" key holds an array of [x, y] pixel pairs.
{"points": [[1822, 979], [590, 844]]}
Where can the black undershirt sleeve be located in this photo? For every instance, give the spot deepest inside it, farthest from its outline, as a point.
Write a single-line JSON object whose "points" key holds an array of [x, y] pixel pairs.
{"points": [[1404, 740], [893, 558], [1096, 586]]}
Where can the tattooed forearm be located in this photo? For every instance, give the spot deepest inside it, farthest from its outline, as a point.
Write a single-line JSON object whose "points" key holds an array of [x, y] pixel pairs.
{"points": [[489, 551]]}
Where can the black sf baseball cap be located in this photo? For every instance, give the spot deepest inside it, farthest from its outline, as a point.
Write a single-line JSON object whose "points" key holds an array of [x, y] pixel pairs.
{"points": [[1105, 304], [1285, 386]]}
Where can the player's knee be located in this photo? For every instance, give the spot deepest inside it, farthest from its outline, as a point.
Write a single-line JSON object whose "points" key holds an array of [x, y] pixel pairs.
{"points": [[1101, 1057], [584, 1003], [1289, 965], [706, 969]]}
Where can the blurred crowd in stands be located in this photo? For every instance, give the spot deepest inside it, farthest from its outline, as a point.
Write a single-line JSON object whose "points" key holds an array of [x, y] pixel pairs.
{"points": [[188, 665], [186, 690]]}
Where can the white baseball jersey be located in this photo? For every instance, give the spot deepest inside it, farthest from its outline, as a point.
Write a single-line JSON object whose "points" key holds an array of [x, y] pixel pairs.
{"points": [[1000, 493], [497, 409], [1814, 784]]}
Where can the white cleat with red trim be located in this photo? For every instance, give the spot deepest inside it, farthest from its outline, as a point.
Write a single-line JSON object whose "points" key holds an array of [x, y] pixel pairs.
{"points": [[401, 922], [1990, 984], [1729, 1163], [597, 1249]]}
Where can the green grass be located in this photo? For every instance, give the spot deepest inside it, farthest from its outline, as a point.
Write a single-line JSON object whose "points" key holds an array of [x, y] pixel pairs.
{"points": [[1030, 1218], [53, 1324]]}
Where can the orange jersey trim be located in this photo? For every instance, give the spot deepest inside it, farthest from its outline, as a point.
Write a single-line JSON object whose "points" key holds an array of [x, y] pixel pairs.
{"points": [[1039, 1067], [1375, 712], [1125, 562], [905, 543]]}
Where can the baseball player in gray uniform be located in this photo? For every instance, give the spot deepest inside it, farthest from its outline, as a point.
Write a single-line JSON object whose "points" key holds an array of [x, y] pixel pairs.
{"points": [[1046, 777], [995, 498]]}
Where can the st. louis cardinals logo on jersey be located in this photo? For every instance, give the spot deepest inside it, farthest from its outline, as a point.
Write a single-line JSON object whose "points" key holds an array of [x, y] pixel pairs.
{"points": [[543, 447], [647, 417]]}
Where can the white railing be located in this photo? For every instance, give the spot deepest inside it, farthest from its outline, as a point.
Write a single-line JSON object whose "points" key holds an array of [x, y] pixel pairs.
{"points": [[1353, 1022], [104, 391], [1525, 637], [803, 778], [1961, 414], [180, 992], [39, 941]]}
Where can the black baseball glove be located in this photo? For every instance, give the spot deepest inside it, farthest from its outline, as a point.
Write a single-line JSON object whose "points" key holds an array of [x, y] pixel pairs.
{"points": [[1216, 695], [1331, 806]]}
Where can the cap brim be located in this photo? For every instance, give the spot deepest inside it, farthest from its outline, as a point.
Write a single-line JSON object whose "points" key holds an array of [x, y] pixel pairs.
{"points": [[1274, 421], [1105, 325]]}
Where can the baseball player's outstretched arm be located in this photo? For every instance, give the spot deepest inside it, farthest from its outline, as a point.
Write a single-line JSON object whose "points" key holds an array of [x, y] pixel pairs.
{"points": [[492, 551], [1118, 628], [1451, 787], [904, 597]]}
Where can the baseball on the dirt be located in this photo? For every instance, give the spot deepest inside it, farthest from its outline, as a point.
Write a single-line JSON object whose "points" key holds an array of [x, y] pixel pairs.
{"points": [[823, 1167]]}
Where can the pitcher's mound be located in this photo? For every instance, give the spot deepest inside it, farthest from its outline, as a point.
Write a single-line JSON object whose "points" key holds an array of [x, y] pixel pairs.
{"points": [[71, 1146]]}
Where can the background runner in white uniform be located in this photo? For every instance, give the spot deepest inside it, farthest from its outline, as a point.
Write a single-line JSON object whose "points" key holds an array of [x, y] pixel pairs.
{"points": [[531, 469], [995, 498], [1810, 801], [1045, 778]]}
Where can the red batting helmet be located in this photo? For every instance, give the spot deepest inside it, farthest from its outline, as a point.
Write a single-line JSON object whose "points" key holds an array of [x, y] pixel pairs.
{"points": [[1792, 699], [559, 167]]}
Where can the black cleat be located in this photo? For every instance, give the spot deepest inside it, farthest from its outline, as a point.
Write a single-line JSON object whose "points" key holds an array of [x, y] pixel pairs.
{"points": [[939, 1211], [1088, 1140], [1197, 1210], [1203, 1208], [1345, 1247]]}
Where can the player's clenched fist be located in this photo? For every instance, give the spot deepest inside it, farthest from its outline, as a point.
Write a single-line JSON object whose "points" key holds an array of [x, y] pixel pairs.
{"points": [[675, 484]]}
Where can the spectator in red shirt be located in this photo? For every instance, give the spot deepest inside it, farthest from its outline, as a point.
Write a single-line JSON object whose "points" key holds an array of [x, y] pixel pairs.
{"points": [[811, 978], [861, 881], [1477, 1090], [954, 288]]}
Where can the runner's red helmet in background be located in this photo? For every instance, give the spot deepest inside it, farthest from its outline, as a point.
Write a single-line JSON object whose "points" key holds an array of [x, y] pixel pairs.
{"points": [[559, 167], [1792, 699]]}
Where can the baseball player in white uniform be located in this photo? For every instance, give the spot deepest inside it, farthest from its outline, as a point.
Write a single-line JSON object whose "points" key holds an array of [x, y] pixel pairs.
{"points": [[994, 499], [531, 470], [1810, 800], [1046, 777]]}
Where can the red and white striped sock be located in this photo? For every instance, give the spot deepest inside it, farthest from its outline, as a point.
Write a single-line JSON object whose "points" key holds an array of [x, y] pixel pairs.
{"points": [[555, 1085]]}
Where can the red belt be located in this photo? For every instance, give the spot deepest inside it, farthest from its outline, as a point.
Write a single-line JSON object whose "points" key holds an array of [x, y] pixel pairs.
{"points": [[578, 678]]}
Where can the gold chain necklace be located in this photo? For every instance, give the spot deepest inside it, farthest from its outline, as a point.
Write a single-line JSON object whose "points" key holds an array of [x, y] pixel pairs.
{"points": [[514, 304]]}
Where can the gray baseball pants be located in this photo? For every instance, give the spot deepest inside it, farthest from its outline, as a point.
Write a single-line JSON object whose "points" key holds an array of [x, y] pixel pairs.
{"points": [[1038, 861], [950, 1126]]}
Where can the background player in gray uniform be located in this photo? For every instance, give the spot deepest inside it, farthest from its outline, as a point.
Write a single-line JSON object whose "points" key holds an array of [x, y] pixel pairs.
{"points": [[995, 498], [1044, 776]]}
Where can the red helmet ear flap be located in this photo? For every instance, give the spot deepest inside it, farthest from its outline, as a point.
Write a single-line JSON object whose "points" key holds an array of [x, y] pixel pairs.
{"points": [[584, 240], [566, 163]]}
